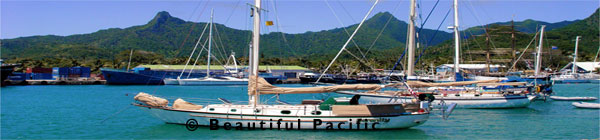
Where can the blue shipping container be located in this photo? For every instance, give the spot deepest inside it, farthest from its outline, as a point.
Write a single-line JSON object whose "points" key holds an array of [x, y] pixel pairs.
{"points": [[27, 76], [85, 71], [63, 71], [74, 71], [41, 76], [17, 76]]}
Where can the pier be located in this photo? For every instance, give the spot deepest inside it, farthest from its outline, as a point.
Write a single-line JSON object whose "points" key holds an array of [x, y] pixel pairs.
{"points": [[56, 82]]}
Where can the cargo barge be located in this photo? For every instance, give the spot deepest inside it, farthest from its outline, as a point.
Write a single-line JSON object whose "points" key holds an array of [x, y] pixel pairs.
{"points": [[155, 74], [141, 76]]}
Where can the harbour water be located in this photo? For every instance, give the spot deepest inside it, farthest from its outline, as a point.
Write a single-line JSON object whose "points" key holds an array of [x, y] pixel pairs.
{"points": [[103, 111]]}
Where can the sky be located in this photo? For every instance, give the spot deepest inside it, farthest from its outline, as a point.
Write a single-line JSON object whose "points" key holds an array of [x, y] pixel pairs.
{"points": [[21, 18]]}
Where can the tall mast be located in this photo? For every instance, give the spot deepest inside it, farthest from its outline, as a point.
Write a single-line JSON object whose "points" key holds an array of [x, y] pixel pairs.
{"points": [[411, 39], [595, 57], [456, 39], [487, 51], [254, 55], [538, 60], [129, 62], [574, 68], [512, 37], [209, 42]]}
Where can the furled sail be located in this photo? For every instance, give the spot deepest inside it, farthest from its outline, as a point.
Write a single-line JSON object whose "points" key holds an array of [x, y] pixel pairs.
{"points": [[151, 100], [263, 87], [425, 84], [502, 84]]}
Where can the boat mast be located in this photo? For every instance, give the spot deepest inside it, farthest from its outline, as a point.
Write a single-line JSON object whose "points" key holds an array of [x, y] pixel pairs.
{"points": [[456, 40], [595, 57], [574, 68], [254, 55], [538, 60], [234, 61], [411, 39], [512, 38], [129, 62], [209, 42]]}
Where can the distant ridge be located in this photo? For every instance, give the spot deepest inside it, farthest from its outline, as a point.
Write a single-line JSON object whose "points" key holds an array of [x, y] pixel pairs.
{"points": [[164, 35]]}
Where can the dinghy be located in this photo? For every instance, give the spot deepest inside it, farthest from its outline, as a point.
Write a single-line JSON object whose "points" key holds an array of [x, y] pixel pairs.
{"points": [[561, 98], [586, 105]]}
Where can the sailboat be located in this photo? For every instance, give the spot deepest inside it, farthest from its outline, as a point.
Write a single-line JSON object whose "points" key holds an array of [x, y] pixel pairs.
{"points": [[208, 80], [486, 94], [334, 113], [574, 76]]}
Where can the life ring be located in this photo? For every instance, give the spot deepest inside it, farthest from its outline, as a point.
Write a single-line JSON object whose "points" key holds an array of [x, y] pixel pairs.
{"points": [[537, 88]]}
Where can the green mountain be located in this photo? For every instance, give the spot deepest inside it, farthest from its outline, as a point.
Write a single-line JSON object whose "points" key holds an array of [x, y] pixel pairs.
{"points": [[169, 40], [527, 26], [172, 37]]}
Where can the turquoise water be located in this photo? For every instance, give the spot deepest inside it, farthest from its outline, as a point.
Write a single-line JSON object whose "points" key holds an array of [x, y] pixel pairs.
{"points": [[50, 112]]}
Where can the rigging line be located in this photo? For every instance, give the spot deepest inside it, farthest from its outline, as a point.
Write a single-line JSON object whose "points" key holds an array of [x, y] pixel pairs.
{"points": [[405, 46], [248, 36], [280, 29], [398, 61], [428, 15], [343, 27], [265, 17], [595, 58], [232, 11], [191, 29], [524, 51], [222, 54], [480, 24], [475, 40], [348, 41], [193, 51], [346, 11], [118, 112], [434, 34], [382, 29], [466, 44], [215, 56], [197, 57], [360, 60], [365, 63], [220, 40]]}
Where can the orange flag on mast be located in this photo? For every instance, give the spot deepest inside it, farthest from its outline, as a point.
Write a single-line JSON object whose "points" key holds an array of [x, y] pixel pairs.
{"points": [[269, 23]]}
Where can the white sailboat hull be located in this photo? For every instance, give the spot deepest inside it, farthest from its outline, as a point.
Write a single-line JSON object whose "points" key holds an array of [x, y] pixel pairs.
{"points": [[246, 117], [586, 105], [463, 101], [481, 78], [169, 81], [560, 98], [212, 81]]}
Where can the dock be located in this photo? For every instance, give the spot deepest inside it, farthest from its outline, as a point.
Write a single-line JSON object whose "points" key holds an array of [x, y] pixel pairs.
{"points": [[56, 82]]}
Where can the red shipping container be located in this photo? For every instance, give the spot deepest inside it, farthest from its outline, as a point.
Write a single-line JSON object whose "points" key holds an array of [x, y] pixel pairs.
{"points": [[74, 76], [101, 77], [41, 70], [28, 70]]}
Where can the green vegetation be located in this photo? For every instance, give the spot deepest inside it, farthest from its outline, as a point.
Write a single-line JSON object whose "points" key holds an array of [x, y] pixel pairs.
{"points": [[161, 41]]}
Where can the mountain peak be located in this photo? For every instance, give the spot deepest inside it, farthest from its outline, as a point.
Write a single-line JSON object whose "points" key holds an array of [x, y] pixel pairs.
{"points": [[384, 14], [163, 17], [381, 18]]}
